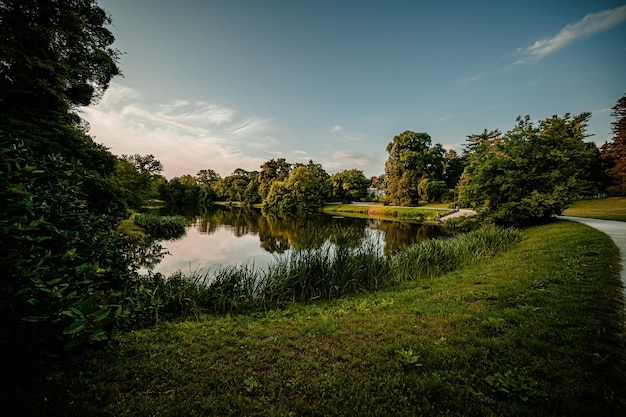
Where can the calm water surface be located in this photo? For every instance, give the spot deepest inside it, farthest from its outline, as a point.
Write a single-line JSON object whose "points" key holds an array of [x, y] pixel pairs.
{"points": [[225, 236]]}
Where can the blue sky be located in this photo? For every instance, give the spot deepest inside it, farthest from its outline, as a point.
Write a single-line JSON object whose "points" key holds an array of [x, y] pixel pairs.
{"points": [[226, 84]]}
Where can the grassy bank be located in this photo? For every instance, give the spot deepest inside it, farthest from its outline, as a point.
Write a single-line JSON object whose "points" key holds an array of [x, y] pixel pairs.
{"points": [[612, 208], [535, 331], [384, 212]]}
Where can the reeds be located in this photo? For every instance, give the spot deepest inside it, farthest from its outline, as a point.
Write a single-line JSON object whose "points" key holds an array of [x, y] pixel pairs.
{"points": [[162, 227], [328, 271], [434, 257]]}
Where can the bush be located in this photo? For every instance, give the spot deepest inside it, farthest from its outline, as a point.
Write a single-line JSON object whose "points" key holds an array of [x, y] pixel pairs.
{"points": [[162, 227], [68, 278]]}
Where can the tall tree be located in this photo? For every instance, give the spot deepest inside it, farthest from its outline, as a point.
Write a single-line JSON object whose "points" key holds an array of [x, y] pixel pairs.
{"points": [[272, 170], [349, 184], [453, 166], [531, 173], [302, 192], [411, 159], [56, 56], [614, 153], [64, 265]]}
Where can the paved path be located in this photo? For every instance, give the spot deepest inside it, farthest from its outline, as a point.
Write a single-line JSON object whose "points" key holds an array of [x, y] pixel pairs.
{"points": [[616, 230], [460, 213]]}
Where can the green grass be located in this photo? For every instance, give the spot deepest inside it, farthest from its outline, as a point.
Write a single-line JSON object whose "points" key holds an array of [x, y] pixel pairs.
{"points": [[129, 227], [536, 331], [384, 212], [612, 208]]}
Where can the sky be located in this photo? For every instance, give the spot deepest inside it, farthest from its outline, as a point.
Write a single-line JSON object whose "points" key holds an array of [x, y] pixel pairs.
{"points": [[227, 84]]}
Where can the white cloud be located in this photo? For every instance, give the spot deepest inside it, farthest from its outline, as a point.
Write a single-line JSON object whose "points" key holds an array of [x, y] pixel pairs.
{"points": [[473, 78], [588, 26], [185, 136], [350, 159], [356, 137], [336, 128]]}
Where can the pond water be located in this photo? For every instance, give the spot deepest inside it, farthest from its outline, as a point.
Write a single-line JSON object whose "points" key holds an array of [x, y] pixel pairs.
{"points": [[223, 236]]}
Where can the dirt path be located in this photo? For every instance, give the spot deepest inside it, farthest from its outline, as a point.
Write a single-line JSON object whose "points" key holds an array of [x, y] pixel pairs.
{"points": [[616, 230]]}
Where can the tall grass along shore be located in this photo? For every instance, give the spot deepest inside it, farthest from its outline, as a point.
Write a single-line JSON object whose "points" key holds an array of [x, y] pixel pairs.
{"points": [[537, 330]]}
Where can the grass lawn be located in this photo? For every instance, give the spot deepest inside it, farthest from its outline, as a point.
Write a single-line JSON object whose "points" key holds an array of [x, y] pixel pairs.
{"points": [[536, 331], [385, 212], [612, 208]]}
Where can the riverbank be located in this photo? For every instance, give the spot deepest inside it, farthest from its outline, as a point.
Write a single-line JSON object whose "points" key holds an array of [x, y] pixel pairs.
{"points": [[536, 331], [380, 211]]}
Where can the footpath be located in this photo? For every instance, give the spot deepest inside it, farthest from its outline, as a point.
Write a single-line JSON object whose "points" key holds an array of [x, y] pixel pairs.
{"points": [[615, 229]]}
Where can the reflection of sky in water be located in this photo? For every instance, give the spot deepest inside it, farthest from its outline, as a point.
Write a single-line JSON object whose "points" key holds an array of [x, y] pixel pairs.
{"points": [[222, 247], [199, 251]]}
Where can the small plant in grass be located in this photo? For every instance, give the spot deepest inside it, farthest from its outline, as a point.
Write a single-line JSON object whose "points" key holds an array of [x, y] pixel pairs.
{"points": [[520, 386], [408, 358]]}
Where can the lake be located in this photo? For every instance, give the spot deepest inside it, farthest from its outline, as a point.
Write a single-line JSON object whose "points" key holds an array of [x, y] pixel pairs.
{"points": [[223, 236]]}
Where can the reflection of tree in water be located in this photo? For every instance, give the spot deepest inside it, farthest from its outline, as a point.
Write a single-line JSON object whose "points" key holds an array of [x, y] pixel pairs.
{"points": [[277, 235], [399, 235], [272, 235]]}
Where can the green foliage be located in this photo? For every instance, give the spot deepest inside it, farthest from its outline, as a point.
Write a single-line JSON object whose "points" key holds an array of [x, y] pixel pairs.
{"points": [[517, 386], [138, 178], [271, 171], [530, 174], [56, 56], [411, 159], [613, 153], [67, 274], [184, 191], [349, 184], [162, 227], [304, 191], [434, 257]]}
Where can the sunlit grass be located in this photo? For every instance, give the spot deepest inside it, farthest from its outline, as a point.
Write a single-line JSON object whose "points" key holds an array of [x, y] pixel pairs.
{"points": [[536, 331], [612, 208], [384, 212]]}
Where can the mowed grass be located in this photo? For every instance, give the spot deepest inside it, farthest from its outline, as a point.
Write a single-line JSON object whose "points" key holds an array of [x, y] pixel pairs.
{"points": [[384, 212], [612, 208], [537, 331]]}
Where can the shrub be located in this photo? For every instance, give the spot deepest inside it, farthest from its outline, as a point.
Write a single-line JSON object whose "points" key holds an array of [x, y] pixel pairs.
{"points": [[68, 278], [162, 227]]}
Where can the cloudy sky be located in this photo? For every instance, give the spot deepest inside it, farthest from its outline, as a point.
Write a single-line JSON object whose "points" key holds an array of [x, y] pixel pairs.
{"points": [[226, 84]]}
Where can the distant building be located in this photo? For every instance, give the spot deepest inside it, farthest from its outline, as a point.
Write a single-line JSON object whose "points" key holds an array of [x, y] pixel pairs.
{"points": [[376, 192]]}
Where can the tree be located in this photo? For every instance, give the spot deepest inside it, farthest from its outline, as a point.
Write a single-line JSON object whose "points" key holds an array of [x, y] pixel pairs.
{"points": [[272, 170], [453, 167], [138, 178], [303, 192], [349, 184], [411, 159], [531, 173], [69, 277], [613, 153], [56, 56], [207, 176]]}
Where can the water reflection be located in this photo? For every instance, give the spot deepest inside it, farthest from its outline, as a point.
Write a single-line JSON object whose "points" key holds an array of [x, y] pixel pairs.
{"points": [[229, 236]]}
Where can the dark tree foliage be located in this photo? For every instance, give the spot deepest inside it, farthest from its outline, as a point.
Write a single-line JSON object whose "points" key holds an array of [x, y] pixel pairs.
{"points": [[68, 276], [531, 173], [613, 153], [54, 57]]}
